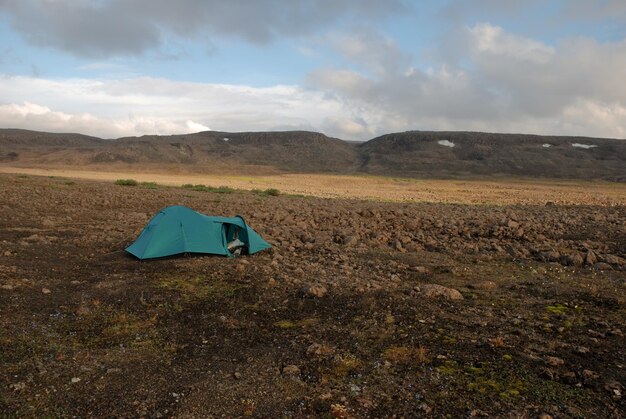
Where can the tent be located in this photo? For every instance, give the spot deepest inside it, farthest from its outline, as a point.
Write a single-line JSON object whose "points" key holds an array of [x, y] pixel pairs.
{"points": [[177, 229]]}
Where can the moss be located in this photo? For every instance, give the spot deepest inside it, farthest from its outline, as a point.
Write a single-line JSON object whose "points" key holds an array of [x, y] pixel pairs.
{"points": [[448, 368], [557, 309], [346, 364]]}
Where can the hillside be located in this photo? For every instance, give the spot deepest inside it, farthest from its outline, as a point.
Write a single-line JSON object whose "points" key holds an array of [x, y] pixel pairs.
{"points": [[458, 154], [408, 154]]}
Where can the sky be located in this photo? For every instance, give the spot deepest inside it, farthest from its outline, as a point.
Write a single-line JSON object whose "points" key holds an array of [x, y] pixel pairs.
{"points": [[352, 69]]}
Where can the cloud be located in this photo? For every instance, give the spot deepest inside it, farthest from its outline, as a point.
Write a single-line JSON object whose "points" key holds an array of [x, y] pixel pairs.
{"points": [[103, 28], [507, 83], [144, 105], [196, 127]]}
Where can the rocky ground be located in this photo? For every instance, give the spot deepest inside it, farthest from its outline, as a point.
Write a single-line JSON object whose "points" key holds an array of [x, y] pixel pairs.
{"points": [[361, 309]]}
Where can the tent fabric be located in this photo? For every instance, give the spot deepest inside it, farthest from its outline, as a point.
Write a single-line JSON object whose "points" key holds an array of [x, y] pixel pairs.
{"points": [[178, 229]]}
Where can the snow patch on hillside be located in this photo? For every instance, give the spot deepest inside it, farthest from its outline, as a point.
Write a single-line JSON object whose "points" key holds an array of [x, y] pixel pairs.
{"points": [[446, 143], [585, 146]]}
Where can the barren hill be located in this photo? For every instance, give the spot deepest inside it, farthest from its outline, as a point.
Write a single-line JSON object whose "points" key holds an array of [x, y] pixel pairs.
{"points": [[456, 154], [409, 154]]}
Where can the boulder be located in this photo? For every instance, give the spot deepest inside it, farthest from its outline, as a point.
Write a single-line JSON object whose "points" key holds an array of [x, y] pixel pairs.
{"points": [[439, 291]]}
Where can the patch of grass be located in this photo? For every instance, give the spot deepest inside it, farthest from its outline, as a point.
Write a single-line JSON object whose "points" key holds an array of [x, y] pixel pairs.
{"points": [[448, 368], [69, 182], [557, 309], [266, 192], [199, 288], [23, 176], [204, 188], [289, 324], [346, 364], [406, 355], [149, 185], [126, 182]]}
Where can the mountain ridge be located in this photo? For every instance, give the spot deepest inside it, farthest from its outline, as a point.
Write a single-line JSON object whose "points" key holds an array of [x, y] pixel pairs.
{"points": [[447, 154]]}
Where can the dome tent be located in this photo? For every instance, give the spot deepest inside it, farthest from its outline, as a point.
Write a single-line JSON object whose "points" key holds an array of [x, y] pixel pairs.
{"points": [[178, 229]]}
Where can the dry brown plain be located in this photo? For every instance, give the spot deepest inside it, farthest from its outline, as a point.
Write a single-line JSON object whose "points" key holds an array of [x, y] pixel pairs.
{"points": [[377, 188], [443, 308]]}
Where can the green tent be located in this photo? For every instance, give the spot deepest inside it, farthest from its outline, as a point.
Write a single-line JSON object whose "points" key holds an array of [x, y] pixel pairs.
{"points": [[179, 229]]}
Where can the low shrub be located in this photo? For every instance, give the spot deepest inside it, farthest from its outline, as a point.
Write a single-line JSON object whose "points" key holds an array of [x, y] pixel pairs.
{"points": [[126, 182]]}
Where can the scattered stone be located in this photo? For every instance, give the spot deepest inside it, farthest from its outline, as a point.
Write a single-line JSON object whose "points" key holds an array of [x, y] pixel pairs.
{"points": [[553, 361], [45, 291], [292, 370], [420, 270], [614, 260], [545, 416], [75, 380], [603, 266], [572, 259], [590, 258], [439, 291], [237, 375], [315, 291], [18, 386], [589, 376], [615, 388], [6, 287], [7, 253]]}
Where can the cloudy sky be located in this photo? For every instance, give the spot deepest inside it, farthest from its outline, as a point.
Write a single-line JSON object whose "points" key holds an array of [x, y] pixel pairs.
{"points": [[353, 69]]}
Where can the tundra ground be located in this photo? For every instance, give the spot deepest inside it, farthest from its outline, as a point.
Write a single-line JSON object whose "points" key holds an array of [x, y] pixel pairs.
{"points": [[361, 308]]}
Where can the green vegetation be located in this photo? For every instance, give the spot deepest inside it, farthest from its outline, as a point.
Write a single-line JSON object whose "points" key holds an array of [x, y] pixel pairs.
{"points": [[199, 288], [149, 185], [266, 192], [126, 182], [557, 309], [204, 188]]}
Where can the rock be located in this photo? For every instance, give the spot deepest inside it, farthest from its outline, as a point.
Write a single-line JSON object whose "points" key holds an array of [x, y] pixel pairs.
{"points": [[48, 223], [572, 259], [589, 376], [553, 361], [439, 291], [315, 291], [350, 240], [45, 291], [7, 253], [75, 380], [590, 258], [292, 370], [420, 269], [545, 415], [615, 388], [513, 225], [6, 287], [237, 375], [603, 266], [614, 260], [18, 386], [550, 256]]}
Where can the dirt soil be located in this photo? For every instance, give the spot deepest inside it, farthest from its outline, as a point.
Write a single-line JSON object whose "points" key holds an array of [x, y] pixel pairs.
{"points": [[361, 308]]}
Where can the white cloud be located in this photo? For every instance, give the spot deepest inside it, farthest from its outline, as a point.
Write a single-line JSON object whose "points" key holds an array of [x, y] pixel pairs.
{"points": [[145, 105], [196, 127], [507, 83]]}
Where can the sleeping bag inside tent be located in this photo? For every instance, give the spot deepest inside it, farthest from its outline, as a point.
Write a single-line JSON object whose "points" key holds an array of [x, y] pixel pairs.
{"points": [[178, 229]]}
